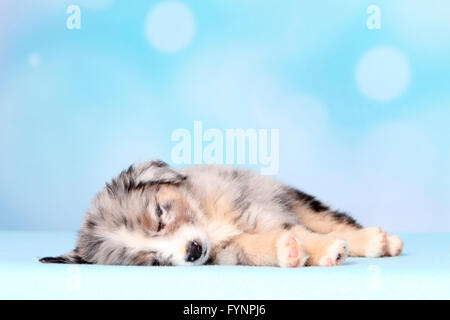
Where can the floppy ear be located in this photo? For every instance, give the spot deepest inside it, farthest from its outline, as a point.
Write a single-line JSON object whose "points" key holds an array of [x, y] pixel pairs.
{"points": [[70, 257], [151, 172], [156, 171]]}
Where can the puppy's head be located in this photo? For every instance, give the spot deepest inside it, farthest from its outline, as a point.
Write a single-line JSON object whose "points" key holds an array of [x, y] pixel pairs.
{"points": [[143, 217]]}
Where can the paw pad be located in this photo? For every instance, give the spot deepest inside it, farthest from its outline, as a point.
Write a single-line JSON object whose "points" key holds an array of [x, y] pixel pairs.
{"points": [[336, 254], [290, 251]]}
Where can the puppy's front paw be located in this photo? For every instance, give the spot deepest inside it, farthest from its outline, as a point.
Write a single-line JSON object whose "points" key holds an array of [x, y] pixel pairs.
{"points": [[336, 253], [394, 245], [376, 242], [290, 251]]}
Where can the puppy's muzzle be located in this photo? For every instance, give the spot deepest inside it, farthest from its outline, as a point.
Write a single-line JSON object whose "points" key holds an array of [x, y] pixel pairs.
{"points": [[194, 251]]}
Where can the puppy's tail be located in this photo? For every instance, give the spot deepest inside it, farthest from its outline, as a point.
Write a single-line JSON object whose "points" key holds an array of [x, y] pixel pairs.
{"points": [[71, 257]]}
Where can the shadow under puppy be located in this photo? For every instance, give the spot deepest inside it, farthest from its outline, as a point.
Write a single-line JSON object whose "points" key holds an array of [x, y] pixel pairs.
{"points": [[152, 214]]}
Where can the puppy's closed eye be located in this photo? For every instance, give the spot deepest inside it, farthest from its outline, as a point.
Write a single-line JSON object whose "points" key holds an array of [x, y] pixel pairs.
{"points": [[159, 212]]}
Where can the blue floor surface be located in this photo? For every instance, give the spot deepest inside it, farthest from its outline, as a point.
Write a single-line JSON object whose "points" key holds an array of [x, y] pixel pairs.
{"points": [[421, 272]]}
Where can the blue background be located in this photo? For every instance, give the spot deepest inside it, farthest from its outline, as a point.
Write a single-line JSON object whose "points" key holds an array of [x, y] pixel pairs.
{"points": [[77, 106]]}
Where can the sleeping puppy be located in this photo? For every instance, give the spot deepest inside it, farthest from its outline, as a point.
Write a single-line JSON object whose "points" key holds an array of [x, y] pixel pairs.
{"points": [[152, 214]]}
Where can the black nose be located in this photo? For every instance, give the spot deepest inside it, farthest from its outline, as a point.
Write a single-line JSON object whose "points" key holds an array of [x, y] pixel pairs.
{"points": [[193, 251]]}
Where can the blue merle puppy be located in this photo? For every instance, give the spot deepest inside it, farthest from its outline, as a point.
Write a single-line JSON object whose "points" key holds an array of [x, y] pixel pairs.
{"points": [[152, 214]]}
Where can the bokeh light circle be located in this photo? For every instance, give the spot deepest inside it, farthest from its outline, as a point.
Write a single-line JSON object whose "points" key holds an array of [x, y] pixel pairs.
{"points": [[170, 26], [383, 73]]}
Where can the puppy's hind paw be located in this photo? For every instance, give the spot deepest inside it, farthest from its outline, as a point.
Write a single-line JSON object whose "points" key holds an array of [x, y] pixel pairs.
{"points": [[336, 254], [290, 251], [394, 245], [376, 242]]}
